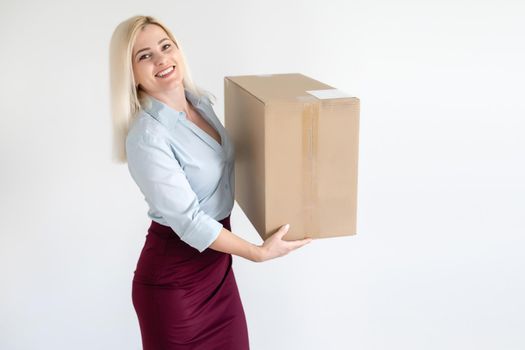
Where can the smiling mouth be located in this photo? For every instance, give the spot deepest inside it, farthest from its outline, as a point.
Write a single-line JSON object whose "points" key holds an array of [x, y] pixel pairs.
{"points": [[166, 72]]}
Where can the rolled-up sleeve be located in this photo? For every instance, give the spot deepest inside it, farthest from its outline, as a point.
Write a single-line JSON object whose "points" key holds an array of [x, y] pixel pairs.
{"points": [[163, 183]]}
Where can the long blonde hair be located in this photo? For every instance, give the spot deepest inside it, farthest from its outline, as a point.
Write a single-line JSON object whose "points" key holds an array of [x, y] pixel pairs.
{"points": [[126, 98]]}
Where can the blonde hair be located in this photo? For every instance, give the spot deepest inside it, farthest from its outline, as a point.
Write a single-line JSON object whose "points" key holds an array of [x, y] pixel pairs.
{"points": [[126, 99]]}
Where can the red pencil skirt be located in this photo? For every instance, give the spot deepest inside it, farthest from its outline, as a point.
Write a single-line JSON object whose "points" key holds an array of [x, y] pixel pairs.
{"points": [[185, 299]]}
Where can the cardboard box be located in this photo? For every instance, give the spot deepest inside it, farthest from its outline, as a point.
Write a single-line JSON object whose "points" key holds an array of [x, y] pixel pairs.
{"points": [[296, 154]]}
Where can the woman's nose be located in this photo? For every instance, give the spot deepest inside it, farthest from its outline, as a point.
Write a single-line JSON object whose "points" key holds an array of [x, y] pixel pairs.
{"points": [[161, 60]]}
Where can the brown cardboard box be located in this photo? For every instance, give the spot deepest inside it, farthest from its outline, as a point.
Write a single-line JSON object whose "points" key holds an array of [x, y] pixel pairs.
{"points": [[296, 154]]}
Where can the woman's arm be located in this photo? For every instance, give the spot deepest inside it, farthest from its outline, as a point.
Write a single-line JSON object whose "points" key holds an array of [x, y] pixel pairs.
{"points": [[273, 247]]}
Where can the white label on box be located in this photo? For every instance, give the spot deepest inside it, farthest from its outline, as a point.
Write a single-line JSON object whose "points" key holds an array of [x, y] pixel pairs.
{"points": [[328, 93]]}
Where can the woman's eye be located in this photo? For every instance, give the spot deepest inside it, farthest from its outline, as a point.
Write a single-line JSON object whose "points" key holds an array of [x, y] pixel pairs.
{"points": [[164, 47]]}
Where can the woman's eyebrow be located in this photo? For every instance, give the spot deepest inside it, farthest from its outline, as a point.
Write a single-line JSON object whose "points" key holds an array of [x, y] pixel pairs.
{"points": [[147, 48]]}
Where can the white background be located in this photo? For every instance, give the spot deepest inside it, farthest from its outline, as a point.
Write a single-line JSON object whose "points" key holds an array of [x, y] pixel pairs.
{"points": [[438, 261]]}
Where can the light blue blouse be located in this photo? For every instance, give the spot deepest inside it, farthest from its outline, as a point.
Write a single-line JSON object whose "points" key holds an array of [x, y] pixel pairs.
{"points": [[185, 175]]}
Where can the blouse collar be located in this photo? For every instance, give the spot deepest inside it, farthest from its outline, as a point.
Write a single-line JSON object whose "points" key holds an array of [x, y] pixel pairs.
{"points": [[164, 113]]}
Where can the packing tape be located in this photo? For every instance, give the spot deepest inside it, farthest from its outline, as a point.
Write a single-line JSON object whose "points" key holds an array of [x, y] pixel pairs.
{"points": [[310, 121]]}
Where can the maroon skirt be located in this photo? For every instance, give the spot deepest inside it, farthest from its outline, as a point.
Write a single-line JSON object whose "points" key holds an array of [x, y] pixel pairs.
{"points": [[185, 299]]}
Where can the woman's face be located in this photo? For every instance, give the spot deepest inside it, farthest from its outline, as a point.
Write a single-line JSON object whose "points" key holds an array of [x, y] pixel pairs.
{"points": [[157, 63]]}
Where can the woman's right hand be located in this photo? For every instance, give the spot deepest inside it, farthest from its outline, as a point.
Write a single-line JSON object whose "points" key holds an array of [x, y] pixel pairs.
{"points": [[275, 246]]}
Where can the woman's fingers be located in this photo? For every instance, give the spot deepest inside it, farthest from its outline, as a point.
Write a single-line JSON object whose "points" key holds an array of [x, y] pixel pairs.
{"points": [[282, 231], [292, 245], [299, 243], [275, 246]]}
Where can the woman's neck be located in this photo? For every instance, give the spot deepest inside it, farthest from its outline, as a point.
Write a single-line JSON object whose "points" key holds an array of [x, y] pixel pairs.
{"points": [[175, 99]]}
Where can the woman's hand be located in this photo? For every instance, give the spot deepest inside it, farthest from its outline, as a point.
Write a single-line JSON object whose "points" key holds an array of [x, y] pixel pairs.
{"points": [[275, 246]]}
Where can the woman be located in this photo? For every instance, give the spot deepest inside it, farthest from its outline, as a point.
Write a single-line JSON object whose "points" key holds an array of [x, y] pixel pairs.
{"points": [[181, 158]]}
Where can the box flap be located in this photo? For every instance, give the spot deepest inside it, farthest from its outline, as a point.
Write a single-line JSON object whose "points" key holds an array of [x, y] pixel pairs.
{"points": [[277, 86]]}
